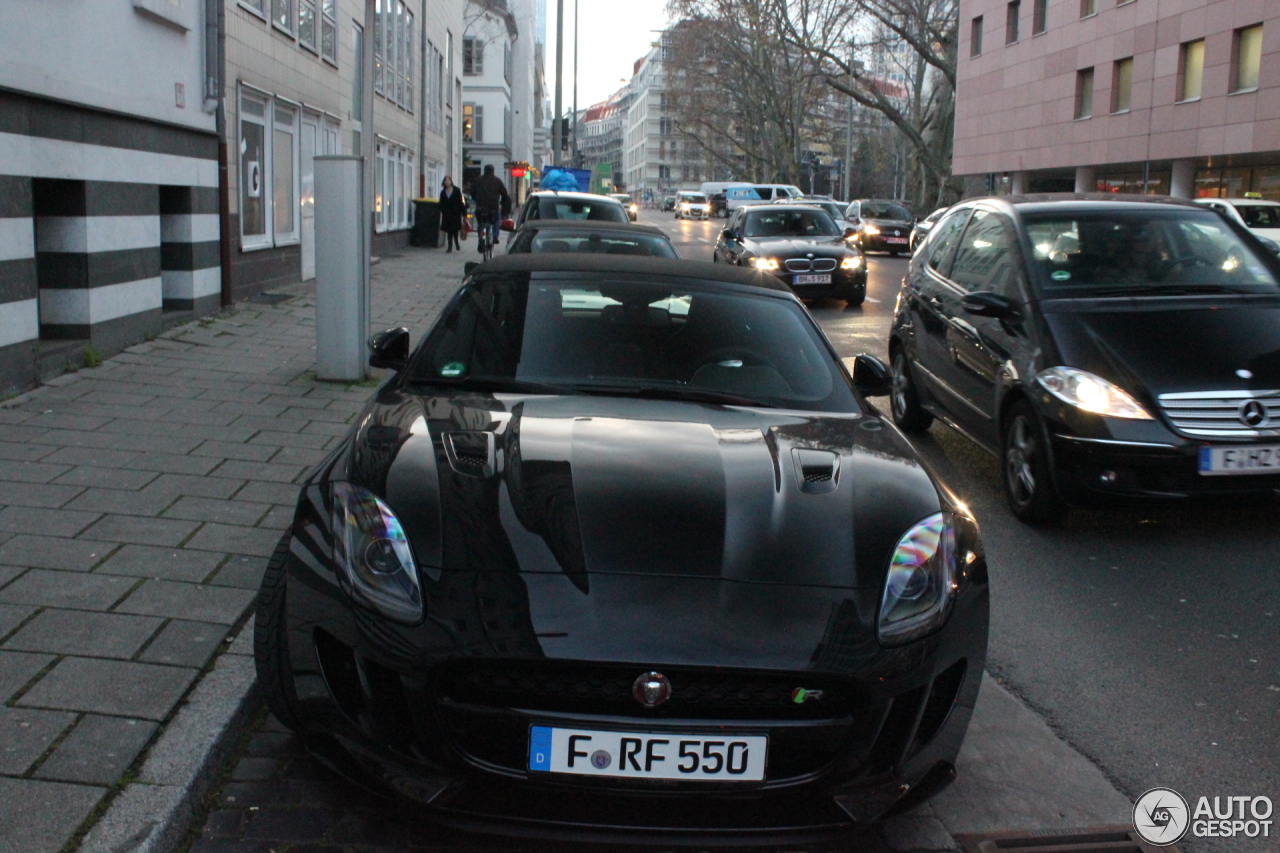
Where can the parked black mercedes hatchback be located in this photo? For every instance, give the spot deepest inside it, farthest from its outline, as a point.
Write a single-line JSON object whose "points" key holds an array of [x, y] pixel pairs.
{"points": [[1100, 346]]}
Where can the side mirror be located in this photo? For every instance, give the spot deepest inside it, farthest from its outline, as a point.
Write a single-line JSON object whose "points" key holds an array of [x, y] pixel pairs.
{"points": [[389, 349], [984, 303], [469, 267], [727, 234], [508, 225], [872, 377]]}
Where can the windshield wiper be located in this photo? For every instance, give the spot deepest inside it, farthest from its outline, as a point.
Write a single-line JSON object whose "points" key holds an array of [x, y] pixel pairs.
{"points": [[697, 395], [1169, 290]]}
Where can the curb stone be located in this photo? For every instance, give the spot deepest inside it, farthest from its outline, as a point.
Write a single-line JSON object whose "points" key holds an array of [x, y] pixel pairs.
{"points": [[154, 813]]}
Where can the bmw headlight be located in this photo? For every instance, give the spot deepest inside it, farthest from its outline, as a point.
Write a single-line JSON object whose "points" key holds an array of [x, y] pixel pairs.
{"points": [[374, 560], [1091, 393], [851, 263], [766, 264], [870, 229], [922, 581]]}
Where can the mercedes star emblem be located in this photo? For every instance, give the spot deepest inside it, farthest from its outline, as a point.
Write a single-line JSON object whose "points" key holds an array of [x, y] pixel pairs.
{"points": [[651, 689], [1253, 413]]}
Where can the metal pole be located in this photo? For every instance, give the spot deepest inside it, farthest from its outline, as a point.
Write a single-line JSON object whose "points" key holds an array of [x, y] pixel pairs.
{"points": [[556, 136], [368, 151], [224, 176], [575, 86]]}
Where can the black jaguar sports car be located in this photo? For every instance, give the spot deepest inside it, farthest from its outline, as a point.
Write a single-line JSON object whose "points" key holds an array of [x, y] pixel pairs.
{"points": [[621, 550]]}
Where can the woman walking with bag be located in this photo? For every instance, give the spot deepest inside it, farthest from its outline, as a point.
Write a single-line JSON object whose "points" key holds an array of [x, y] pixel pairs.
{"points": [[452, 208]]}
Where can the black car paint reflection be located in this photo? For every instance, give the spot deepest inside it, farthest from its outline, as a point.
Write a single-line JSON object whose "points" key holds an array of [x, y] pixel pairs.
{"points": [[568, 543]]}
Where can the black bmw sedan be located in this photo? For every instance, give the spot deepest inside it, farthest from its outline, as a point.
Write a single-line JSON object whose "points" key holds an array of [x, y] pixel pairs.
{"points": [[801, 245], [622, 551], [1102, 348]]}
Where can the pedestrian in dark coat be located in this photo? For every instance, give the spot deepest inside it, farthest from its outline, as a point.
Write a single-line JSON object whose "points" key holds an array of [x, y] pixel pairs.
{"points": [[452, 208]]}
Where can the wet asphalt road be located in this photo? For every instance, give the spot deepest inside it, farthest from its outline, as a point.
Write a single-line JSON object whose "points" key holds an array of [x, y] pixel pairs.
{"points": [[1148, 638]]}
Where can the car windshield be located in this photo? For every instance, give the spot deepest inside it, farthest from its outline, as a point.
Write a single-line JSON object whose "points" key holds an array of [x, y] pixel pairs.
{"points": [[832, 209], [1136, 251], [605, 210], [693, 198], [594, 242], [790, 223], [1260, 215], [884, 210], [546, 333]]}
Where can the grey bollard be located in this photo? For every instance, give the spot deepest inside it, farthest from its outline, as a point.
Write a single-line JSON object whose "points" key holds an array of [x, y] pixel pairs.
{"points": [[341, 301]]}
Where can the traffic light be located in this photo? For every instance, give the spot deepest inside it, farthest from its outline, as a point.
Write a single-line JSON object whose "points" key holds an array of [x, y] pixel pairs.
{"points": [[564, 134]]}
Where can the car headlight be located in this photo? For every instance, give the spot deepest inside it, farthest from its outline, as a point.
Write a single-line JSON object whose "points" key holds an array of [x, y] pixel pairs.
{"points": [[374, 560], [635, 207], [870, 229], [922, 582], [851, 263], [1091, 393], [767, 264]]}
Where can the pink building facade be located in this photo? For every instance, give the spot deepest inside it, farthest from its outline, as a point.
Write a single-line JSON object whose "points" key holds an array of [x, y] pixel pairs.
{"points": [[1178, 97]]}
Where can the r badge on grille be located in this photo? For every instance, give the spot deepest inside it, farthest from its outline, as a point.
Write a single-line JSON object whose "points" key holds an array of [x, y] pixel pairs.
{"points": [[651, 689]]}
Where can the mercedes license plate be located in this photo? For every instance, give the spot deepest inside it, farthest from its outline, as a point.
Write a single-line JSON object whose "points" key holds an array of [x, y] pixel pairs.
{"points": [[639, 755], [824, 278], [1247, 459]]}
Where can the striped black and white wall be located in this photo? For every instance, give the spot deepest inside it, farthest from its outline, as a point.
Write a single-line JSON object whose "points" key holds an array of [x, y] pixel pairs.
{"points": [[108, 230]]}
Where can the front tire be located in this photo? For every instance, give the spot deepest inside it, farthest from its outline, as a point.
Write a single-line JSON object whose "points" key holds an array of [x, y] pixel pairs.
{"points": [[1028, 476], [270, 640], [904, 402]]}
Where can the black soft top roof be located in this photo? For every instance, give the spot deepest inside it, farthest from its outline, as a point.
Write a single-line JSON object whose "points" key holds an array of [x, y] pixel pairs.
{"points": [[632, 264]]}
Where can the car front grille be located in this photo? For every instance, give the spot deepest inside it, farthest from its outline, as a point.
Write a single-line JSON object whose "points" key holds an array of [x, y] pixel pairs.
{"points": [[807, 265], [1223, 414], [824, 265]]}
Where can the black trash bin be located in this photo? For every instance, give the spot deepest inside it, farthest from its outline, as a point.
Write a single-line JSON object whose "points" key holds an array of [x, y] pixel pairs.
{"points": [[426, 223]]}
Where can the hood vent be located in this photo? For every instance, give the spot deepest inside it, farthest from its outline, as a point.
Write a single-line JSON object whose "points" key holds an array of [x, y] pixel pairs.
{"points": [[817, 470], [471, 454]]}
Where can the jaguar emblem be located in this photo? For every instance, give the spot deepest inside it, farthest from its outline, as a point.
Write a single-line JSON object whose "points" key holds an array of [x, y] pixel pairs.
{"points": [[651, 689]]}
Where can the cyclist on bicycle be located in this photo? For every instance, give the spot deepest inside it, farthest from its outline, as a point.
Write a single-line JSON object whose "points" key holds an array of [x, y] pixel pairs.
{"points": [[492, 203]]}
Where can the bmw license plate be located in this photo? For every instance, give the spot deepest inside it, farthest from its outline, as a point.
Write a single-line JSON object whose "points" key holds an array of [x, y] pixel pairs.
{"points": [[824, 278], [1247, 459], [639, 755]]}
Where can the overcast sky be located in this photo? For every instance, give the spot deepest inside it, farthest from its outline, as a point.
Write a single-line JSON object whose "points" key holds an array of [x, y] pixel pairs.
{"points": [[613, 34]]}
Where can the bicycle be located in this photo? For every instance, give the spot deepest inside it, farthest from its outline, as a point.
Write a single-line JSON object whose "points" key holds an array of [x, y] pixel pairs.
{"points": [[488, 224]]}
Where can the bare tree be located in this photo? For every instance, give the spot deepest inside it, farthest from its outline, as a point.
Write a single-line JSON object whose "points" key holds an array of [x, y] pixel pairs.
{"points": [[735, 91], [839, 36]]}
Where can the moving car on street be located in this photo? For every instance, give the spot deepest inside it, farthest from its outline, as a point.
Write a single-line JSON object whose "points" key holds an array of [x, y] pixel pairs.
{"points": [[691, 205], [578, 207], [922, 228], [621, 550], [633, 209], [596, 238], [1260, 216], [1102, 348], [882, 226], [833, 208], [668, 203], [739, 196], [801, 245]]}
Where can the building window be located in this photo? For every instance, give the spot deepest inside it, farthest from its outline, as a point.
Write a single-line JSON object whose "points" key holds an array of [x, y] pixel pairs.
{"points": [[1039, 17], [975, 37], [472, 56], [408, 57], [254, 6], [506, 62], [377, 47], [664, 126], [448, 80], [1011, 14], [329, 30], [1084, 93], [1246, 58], [1191, 71], [253, 168], [284, 168], [307, 23], [282, 14], [268, 172], [1088, 7], [506, 126], [664, 173], [357, 83], [472, 123], [1122, 85]]}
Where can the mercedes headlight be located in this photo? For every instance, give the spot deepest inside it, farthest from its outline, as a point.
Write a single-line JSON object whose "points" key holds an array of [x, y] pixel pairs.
{"points": [[1091, 393], [922, 582], [374, 560], [870, 229], [851, 263], [766, 264]]}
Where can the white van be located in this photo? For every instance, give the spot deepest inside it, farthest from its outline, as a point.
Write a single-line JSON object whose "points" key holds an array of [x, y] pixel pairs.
{"points": [[711, 188], [736, 197]]}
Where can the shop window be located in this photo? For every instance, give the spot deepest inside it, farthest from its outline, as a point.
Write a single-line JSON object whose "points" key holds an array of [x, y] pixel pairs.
{"points": [[284, 167]]}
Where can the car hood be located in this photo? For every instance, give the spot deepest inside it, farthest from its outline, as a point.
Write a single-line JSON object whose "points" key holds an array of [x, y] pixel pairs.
{"points": [[1170, 345], [890, 223], [582, 487], [789, 246]]}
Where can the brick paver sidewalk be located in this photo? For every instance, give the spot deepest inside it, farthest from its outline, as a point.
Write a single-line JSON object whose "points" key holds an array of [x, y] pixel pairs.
{"points": [[138, 503]]}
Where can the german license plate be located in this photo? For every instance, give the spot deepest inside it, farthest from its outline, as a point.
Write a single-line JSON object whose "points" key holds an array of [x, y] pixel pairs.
{"points": [[636, 755], [902, 240], [1247, 459], [824, 278]]}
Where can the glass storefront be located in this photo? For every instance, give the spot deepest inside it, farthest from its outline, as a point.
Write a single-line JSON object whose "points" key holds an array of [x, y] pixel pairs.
{"points": [[1234, 183], [1155, 182]]}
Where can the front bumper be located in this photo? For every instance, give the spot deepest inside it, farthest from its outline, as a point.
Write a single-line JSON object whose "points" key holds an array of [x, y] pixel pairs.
{"points": [[844, 283], [385, 705], [880, 242]]}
